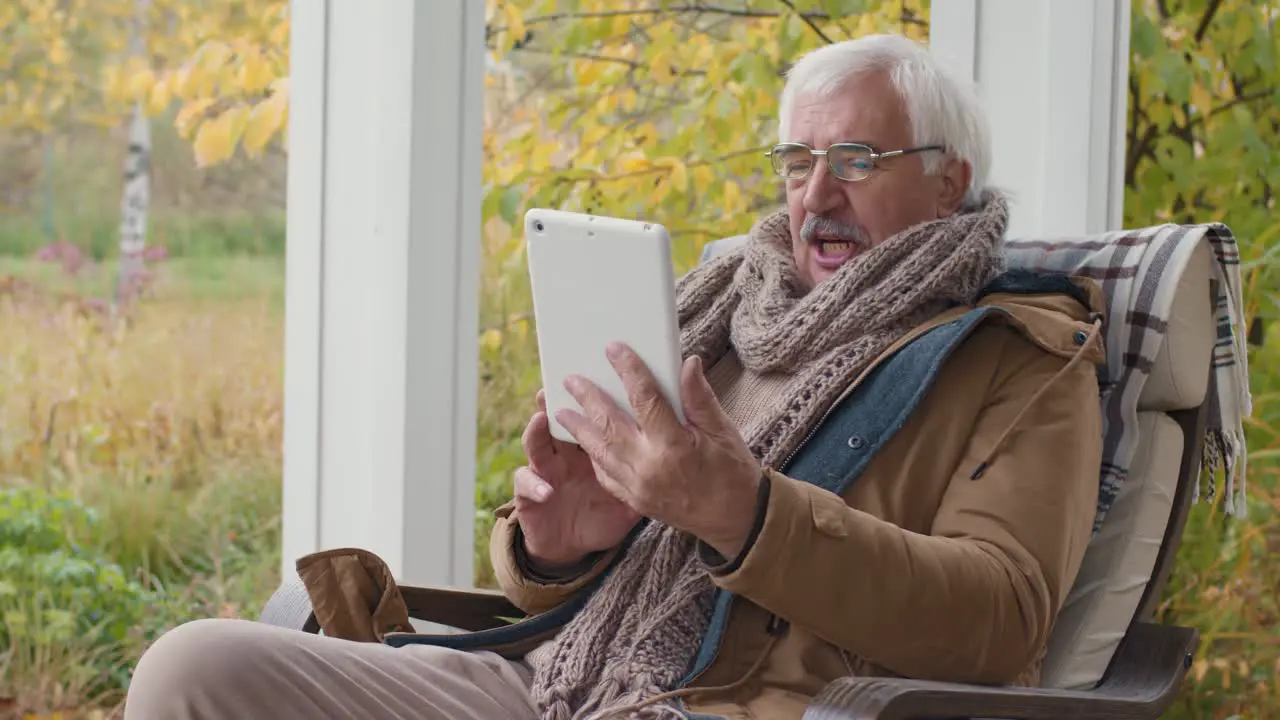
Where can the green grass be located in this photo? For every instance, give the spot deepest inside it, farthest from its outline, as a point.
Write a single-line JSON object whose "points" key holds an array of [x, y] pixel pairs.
{"points": [[205, 279], [215, 236]]}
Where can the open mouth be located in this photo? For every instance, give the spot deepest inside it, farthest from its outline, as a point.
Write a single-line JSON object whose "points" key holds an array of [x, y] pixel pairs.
{"points": [[834, 243], [831, 254]]}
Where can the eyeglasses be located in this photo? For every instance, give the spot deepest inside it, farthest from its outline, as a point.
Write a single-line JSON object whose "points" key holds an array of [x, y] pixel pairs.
{"points": [[848, 161]]}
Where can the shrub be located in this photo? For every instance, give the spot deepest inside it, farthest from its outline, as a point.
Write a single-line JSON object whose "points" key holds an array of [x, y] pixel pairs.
{"points": [[72, 620]]}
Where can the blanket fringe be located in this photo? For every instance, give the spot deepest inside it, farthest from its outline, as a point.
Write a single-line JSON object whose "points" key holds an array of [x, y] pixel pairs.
{"points": [[1224, 451]]}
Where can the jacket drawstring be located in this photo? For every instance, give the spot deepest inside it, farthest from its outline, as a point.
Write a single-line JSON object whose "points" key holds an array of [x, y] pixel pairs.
{"points": [[1094, 332]]}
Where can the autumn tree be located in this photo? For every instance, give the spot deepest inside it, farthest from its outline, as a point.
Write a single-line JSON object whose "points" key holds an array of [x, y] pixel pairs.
{"points": [[1204, 123], [627, 108], [72, 63]]}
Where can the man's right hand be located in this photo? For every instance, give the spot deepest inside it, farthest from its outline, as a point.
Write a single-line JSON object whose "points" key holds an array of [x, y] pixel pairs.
{"points": [[563, 511]]}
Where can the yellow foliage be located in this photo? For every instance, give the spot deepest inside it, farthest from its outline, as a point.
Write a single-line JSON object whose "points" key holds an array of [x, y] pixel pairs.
{"points": [[279, 35], [588, 72], [191, 115], [212, 56], [660, 68], [213, 142], [1201, 99], [515, 25], [633, 162], [621, 24], [181, 83], [255, 72], [732, 202], [678, 175], [160, 97], [265, 120], [703, 176], [137, 86], [491, 340], [58, 52], [866, 25], [594, 134]]}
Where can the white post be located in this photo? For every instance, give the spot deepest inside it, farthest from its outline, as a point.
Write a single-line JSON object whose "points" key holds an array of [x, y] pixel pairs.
{"points": [[1053, 75], [382, 280]]}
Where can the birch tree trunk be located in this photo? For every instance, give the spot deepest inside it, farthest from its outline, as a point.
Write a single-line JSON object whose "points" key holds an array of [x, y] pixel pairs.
{"points": [[137, 180]]}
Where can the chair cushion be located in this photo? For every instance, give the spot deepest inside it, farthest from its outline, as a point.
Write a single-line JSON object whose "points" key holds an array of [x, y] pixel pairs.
{"points": [[1180, 374], [1119, 562]]}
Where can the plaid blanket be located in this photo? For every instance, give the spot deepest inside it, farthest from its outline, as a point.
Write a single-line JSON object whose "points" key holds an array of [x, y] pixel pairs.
{"points": [[1129, 265]]}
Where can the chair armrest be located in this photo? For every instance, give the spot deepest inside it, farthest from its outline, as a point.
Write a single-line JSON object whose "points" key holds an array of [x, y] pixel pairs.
{"points": [[465, 609], [1142, 681], [290, 607]]}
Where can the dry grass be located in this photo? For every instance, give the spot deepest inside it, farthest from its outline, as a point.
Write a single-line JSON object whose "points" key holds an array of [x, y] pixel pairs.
{"points": [[167, 424]]}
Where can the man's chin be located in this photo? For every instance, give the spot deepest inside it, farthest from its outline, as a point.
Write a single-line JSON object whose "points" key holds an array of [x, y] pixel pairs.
{"points": [[820, 271]]}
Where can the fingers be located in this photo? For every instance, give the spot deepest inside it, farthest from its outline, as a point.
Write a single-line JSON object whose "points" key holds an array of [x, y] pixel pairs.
{"points": [[653, 413], [529, 487], [610, 422], [537, 442], [542, 400], [590, 438], [615, 488]]}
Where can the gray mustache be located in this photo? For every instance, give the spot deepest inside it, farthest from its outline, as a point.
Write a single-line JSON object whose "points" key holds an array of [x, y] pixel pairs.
{"points": [[815, 226]]}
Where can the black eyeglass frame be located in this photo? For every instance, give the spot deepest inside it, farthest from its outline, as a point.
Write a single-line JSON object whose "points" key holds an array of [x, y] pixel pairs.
{"points": [[857, 147]]}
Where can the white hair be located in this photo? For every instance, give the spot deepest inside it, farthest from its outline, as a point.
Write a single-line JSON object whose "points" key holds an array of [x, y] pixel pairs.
{"points": [[942, 109]]}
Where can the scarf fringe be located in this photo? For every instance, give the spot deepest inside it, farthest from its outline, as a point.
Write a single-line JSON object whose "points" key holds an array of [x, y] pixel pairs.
{"points": [[619, 691]]}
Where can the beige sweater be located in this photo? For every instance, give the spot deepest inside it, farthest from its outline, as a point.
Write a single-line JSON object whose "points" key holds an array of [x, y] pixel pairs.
{"points": [[743, 394]]}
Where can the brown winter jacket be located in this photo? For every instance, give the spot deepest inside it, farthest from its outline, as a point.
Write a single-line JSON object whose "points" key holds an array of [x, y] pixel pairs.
{"points": [[919, 570]]}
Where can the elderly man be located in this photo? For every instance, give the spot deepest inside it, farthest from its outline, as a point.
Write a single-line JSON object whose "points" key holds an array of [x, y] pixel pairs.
{"points": [[889, 464]]}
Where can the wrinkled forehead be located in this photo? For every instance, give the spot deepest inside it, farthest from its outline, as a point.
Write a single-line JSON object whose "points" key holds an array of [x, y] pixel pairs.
{"points": [[865, 108]]}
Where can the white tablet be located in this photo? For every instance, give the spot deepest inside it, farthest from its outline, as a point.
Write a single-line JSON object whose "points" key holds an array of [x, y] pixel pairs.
{"points": [[596, 280]]}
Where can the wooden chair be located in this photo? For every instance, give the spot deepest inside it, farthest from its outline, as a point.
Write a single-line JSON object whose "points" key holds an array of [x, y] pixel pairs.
{"points": [[1107, 657]]}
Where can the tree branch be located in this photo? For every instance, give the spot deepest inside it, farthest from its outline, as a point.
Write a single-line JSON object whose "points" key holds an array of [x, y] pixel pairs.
{"points": [[808, 21], [1205, 19], [1247, 97], [651, 170], [1131, 144], [634, 65], [674, 9]]}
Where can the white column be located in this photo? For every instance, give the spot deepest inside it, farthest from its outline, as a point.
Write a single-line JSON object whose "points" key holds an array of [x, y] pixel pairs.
{"points": [[382, 280], [1053, 75]]}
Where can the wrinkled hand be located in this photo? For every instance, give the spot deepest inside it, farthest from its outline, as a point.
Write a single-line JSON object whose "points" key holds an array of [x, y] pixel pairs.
{"points": [[563, 511], [699, 477]]}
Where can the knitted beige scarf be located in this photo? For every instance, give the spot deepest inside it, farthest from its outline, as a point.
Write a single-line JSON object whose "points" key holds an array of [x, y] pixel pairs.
{"points": [[638, 634]]}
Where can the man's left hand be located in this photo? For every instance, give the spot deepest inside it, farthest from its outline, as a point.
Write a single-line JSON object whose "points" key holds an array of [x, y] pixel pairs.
{"points": [[698, 477]]}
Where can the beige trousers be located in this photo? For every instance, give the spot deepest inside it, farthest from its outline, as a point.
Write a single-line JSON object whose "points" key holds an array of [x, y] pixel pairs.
{"points": [[238, 670]]}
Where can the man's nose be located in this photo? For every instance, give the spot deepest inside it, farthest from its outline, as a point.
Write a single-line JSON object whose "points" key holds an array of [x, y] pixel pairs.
{"points": [[821, 189]]}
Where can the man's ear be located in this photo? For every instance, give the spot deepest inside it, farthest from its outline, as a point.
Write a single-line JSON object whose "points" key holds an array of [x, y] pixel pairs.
{"points": [[956, 175]]}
